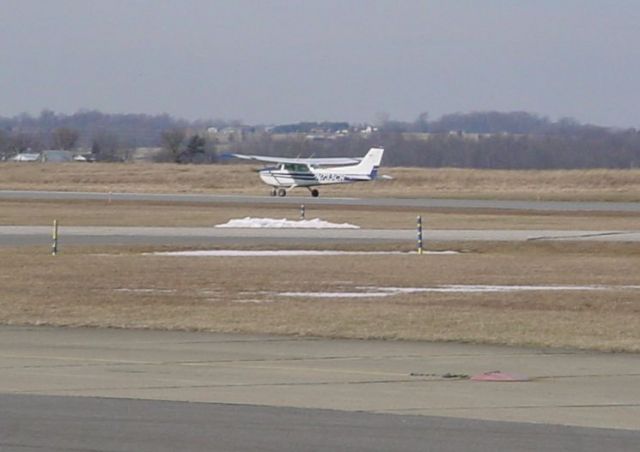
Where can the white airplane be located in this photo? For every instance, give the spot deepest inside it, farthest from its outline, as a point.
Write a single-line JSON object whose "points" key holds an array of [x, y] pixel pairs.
{"points": [[311, 172]]}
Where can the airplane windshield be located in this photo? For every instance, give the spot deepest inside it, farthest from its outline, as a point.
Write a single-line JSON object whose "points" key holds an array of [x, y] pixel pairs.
{"points": [[296, 167]]}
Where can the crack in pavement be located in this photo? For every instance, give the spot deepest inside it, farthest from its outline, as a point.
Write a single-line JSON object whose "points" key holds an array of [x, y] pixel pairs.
{"points": [[579, 236]]}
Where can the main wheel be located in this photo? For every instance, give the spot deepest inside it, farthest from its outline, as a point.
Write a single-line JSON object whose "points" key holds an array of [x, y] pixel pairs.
{"points": [[273, 192], [282, 192], [315, 193]]}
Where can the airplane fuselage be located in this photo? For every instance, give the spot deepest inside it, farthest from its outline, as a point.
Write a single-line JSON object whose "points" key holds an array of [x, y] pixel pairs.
{"points": [[302, 175]]}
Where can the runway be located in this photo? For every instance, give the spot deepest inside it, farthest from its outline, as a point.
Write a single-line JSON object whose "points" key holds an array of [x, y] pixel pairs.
{"points": [[100, 235], [421, 203], [93, 389]]}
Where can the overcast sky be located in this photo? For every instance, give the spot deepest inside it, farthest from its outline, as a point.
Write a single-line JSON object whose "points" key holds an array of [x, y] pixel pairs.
{"points": [[286, 61]]}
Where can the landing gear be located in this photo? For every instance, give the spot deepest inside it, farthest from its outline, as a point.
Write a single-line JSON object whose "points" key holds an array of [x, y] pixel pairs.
{"points": [[282, 192], [315, 193], [273, 192]]}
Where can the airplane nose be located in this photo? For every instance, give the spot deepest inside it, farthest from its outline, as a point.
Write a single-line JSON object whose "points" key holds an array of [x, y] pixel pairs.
{"points": [[266, 177]]}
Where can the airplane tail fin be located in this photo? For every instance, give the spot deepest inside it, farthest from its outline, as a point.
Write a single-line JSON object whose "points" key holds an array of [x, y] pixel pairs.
{"points": [[370, 163]]}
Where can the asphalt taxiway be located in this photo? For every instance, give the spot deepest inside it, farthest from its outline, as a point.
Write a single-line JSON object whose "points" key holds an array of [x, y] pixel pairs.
{"points": [[107, 389]]}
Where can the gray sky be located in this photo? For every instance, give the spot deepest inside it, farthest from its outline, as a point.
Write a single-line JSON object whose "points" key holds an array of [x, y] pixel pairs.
{"points": [[287, 61]]}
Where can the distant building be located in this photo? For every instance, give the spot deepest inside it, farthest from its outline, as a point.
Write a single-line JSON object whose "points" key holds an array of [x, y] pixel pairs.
{"points": [[56, 156], [145, 154], [48, 156], [84, 158], [26, 157], [234, 134], [368, 130]]}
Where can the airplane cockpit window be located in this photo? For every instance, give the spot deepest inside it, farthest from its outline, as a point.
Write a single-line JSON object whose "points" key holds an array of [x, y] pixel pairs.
{"points": [[296, 167]]}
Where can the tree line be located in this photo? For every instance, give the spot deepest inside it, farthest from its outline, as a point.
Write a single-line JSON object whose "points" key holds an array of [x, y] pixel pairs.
{"points": [[512, 140], [617, 150], [110, 137]]}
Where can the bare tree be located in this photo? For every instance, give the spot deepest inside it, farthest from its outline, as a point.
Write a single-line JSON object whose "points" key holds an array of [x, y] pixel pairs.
{"points": [[4, 145], [172, 140], [65, 138], [105, 145], [421, 123], [23, 142]]}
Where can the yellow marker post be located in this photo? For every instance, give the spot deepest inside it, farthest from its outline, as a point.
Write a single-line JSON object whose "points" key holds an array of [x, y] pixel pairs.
{"points": [[54, 247]]}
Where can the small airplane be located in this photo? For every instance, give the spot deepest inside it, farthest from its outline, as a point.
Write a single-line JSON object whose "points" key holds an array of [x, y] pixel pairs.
{"points": [[311, 172]]}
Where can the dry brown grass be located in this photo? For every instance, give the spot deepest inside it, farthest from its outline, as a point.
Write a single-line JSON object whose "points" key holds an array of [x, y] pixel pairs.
{"points": [[121, 288], [83, 286], [594, 184], [101, 213], [144, 177], [612, 185]]}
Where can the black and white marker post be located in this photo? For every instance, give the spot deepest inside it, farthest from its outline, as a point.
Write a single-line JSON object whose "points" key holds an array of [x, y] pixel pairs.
{"points": [[54, 246], [419, 234]]}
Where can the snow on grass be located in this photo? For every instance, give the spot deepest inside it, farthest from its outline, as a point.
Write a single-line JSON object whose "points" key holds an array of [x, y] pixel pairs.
{"points": [[336, 294], [252, 301], [144, 290], [281, 253], [274, 223], [379, 292]]}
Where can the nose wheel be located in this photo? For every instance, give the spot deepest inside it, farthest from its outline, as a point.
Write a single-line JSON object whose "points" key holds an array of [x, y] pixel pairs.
{"points": [[315, 193]]}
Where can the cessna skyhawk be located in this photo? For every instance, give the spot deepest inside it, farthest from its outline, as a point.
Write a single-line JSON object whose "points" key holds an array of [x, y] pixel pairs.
{"points": [[299, 172]]}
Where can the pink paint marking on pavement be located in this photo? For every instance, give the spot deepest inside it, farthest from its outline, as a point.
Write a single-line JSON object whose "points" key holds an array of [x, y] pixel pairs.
{"points": [[497, 376]]}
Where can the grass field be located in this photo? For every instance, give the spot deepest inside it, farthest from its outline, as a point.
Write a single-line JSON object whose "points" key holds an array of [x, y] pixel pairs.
{"points": [[124, 288], [609, 185]]}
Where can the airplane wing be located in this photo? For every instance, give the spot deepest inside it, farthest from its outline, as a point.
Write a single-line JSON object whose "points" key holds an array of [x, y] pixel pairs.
{"points": [[308, 161]]}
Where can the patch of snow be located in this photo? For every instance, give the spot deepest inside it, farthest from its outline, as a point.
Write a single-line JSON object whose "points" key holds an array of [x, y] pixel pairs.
{"points": [[476, 288], [264, 253], [316, 223], [125, 289], [253, 301], [274, 253], [380, 292], [335, 294]]}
